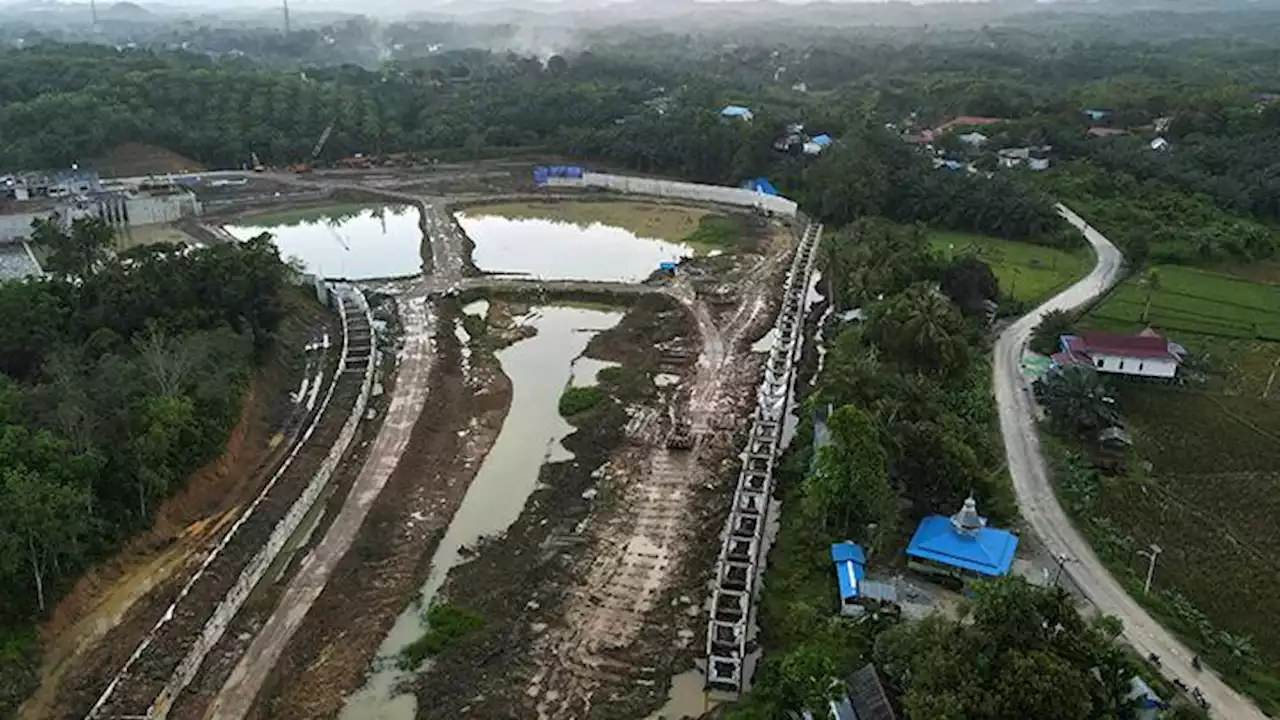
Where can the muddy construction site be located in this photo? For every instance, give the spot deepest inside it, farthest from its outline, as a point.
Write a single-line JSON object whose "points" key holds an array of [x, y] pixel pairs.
{"points": [[506, 528]]}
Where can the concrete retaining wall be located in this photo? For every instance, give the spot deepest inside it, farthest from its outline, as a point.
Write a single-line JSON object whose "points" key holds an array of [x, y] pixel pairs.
{"points": [[288, 525], [740, 197], [235, 597]]}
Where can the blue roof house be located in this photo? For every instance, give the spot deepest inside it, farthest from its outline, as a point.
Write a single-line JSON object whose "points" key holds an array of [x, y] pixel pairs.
{"points": [[857, 594], [824, 139], [737, 111], [961, 546]]}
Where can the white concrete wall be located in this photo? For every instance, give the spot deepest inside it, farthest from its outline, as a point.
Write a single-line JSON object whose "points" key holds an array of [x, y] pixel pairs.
{"points": [[231, 603], [1146, 367], [142, 210], [740, 197]]}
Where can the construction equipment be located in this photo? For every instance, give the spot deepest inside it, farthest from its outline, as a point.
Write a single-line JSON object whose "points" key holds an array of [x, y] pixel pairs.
{"points": [[681, 435], [324, 138], [257, 163], [299, 168]]}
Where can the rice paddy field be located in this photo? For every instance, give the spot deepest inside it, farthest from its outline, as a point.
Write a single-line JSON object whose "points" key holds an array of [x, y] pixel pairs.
{"points": [[1203, 478]]}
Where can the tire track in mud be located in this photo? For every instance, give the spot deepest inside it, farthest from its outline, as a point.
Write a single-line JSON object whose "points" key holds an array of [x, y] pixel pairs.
{"points": [[640, 552]]}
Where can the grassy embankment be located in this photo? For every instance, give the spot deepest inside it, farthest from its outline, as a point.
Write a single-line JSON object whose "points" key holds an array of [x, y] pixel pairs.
{"points": [[1026, 271], [1203, 478]]}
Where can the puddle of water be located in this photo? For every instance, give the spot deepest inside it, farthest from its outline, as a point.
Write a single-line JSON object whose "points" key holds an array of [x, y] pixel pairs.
{"points": [[665, 380], [554, 250], [539, 367], [586, 369], [766, 343], [367, 243], [688, 698]]}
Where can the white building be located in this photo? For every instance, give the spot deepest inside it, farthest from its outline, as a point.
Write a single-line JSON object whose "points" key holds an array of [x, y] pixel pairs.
{"points": [[1147, 354]]}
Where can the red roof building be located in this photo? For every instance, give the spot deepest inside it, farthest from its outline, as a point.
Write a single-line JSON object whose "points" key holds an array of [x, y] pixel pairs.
{"points": [[1146, 354]]}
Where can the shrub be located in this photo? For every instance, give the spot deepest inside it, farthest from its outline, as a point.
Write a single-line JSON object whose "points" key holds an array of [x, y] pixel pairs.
{"points": [[446, 624], [580, 399]]}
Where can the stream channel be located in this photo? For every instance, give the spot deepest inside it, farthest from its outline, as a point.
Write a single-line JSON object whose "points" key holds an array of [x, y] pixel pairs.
{"points": [[540, 367]]}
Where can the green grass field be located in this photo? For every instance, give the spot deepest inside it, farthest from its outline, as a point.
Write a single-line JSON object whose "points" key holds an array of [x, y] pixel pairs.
{"points": [[1204, 484], [1196, 302], [1026, 271]]}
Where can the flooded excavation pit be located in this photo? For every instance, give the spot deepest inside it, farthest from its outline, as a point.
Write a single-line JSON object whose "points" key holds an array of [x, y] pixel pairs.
{"points": [[540, 367], [516, 240], [353, 242]]}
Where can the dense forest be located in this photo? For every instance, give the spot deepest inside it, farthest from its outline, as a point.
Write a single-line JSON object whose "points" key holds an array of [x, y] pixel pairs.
{"points": [[120, 376]]}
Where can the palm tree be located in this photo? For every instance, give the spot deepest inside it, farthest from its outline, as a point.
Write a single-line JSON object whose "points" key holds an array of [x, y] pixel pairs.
{"points": [[1151, 281], [1077, 399], [1239, 648]]}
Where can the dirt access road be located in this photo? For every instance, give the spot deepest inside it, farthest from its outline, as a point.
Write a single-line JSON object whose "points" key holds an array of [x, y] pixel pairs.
{"points": [[1041, 509], [637, 554]]}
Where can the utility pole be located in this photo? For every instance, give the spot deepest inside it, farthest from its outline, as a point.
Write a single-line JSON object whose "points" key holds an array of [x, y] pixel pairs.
{"points": [[93, 12], [1062, 559], [286, 17], [1151, 568]]}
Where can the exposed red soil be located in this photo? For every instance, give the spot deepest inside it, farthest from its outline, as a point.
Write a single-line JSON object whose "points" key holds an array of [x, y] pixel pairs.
{"points": [[153, 565]]}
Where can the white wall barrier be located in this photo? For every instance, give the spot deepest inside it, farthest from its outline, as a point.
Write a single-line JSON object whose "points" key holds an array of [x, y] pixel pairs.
{"points": [[741, 197], [249, 577]]}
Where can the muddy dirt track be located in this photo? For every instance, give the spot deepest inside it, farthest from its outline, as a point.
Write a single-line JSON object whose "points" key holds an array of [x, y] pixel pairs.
{"points": [[608, 598]]}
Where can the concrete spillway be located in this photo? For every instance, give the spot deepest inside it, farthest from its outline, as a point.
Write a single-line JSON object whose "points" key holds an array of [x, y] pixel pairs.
{"points": [[739, 564]]}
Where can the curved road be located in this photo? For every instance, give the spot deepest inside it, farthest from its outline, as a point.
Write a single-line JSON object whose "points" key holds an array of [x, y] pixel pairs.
{"points": [[1040, 507]]}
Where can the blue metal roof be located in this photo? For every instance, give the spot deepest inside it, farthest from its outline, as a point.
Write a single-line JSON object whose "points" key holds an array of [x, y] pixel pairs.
{"points": [[823, 139], [735, 111], [988, 551], [851, 568], [761, 185]]}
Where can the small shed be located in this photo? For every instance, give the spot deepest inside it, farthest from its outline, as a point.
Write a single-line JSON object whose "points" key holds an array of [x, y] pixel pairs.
{"points": [[761, 185], [857, 594], [1113, 446], [974, 139], [1148, 705]]}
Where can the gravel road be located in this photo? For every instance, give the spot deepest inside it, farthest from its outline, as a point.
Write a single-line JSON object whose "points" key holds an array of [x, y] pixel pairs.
{"points": [[1040, 507]]}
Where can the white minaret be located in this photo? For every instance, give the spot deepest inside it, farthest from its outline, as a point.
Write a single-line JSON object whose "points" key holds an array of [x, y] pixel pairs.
{"points": [[967, 521], [286, 17]]}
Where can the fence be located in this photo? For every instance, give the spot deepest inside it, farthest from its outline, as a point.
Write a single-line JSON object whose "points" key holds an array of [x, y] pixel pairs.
{"points": [[741, 197]]}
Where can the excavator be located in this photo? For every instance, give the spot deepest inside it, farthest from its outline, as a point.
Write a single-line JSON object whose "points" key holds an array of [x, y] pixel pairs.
{"points": [[257, 164], [305, 167]]}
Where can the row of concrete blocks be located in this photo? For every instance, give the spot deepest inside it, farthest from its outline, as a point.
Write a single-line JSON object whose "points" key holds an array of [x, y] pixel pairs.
{"points": [[737, 567]]}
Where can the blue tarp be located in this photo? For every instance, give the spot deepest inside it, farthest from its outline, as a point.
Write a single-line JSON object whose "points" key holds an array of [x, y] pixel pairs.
{"points": [[670, 266], [851, 567], [823, 139], [988, 552], [761, 185], [735, 111], [542, 172]]}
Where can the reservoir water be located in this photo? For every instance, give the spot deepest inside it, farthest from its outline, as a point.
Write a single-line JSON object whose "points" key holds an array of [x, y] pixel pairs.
{"points": [[559, 250], [354, 242]]}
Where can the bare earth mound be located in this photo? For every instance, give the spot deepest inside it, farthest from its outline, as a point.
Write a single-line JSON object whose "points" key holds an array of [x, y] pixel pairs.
{"points": [[135, 159]]}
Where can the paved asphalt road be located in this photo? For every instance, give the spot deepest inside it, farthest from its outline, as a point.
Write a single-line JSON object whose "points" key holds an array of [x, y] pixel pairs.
{"points": [[1040, 507]]}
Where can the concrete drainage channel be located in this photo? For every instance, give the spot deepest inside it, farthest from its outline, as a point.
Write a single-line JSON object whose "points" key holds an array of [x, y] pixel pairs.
{"points": [[740, 555], [148, 684]]}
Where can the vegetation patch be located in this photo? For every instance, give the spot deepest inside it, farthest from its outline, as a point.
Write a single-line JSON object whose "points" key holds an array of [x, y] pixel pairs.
{"points": [[717, 232], [446, 624], [577, 400], [672, 223], [1026, 272], [1178, 299]]}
